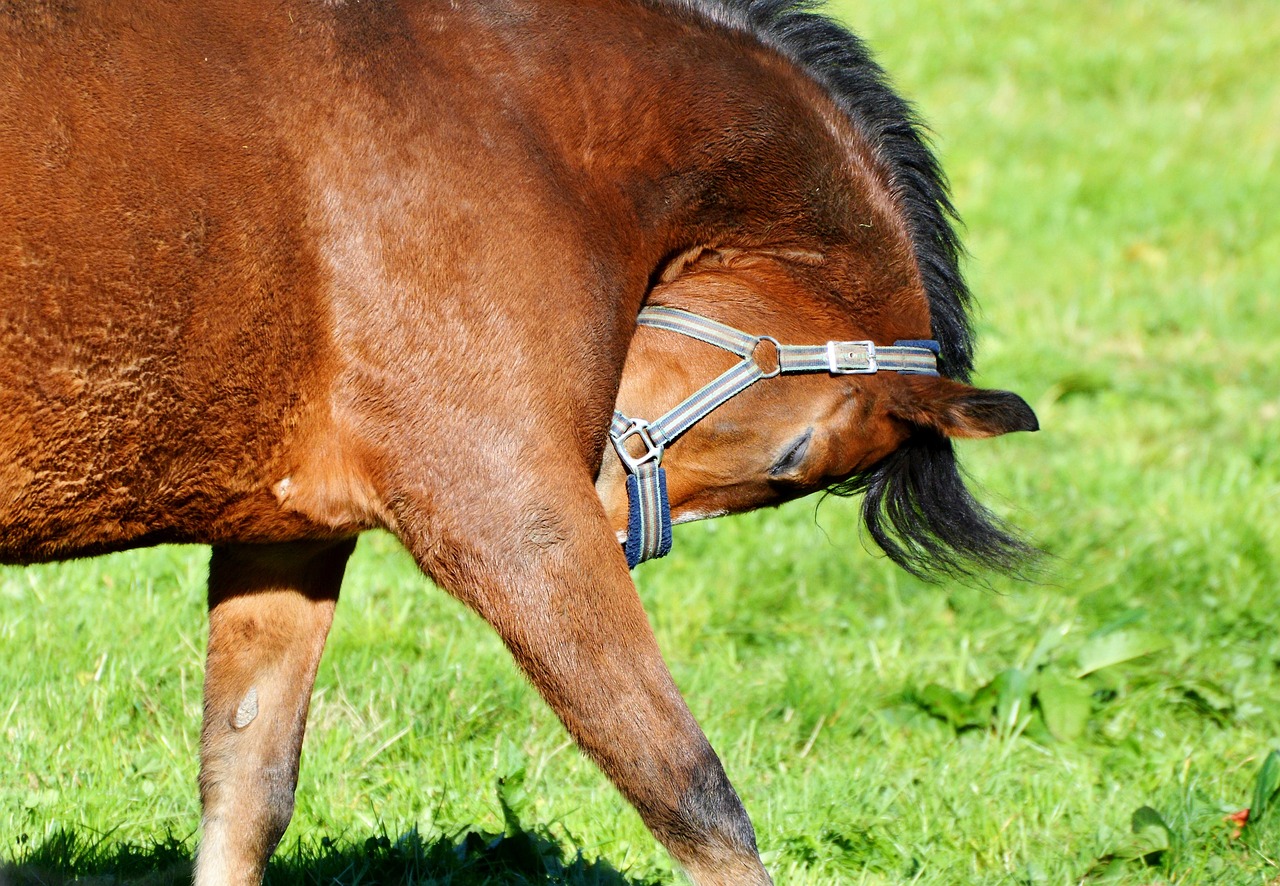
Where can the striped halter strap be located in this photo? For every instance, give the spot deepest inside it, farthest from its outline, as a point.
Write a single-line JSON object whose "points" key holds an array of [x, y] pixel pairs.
{"points": [[640, 444]]}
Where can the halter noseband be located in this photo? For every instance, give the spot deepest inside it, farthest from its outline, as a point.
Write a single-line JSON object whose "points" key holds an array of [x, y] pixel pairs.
{"points": [[649, 510]]}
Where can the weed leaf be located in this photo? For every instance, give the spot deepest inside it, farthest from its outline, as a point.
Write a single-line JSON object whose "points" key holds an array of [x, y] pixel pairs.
{"points": [[1049, 641], [511, 797], [1065, 706], [1266, 787], [1150, 839], [1210, 699], [1152, 828], [1013, 698], [1112, 649], [951, 706]]}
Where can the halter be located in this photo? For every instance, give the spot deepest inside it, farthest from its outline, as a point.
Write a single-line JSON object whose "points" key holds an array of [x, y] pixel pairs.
{"points": [[649, 510]]}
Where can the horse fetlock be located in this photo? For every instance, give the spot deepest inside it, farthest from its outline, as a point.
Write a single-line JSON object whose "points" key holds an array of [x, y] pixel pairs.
{"points": [[246, 815], [708, 830], [236, 844], [728, 872], [711, 807], [278, 803]]}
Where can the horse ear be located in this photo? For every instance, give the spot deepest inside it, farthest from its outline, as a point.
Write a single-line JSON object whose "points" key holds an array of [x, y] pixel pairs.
{"points": [[958, 410]]}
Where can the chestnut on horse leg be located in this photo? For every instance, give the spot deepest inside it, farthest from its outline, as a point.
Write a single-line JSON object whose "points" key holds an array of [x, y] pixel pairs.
{"points": [[568, 611], [270, 607]]}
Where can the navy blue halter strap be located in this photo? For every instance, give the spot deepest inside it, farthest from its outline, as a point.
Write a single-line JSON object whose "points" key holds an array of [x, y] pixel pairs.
{"points": [[640, 444]]}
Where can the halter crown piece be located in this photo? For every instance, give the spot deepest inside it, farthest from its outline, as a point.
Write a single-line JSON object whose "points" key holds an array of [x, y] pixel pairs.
{"points": [[649, 510]]}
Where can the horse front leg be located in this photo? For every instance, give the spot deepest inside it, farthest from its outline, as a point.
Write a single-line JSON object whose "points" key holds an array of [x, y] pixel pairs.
{"points": [[554, 584], [270, 607]]}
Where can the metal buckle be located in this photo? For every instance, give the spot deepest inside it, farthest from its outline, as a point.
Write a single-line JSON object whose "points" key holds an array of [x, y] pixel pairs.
{"points": [[652, 451], [841, 360]]}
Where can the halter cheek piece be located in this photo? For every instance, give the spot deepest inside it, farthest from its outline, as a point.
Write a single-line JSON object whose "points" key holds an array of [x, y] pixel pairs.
{"points": [[640, 443]]}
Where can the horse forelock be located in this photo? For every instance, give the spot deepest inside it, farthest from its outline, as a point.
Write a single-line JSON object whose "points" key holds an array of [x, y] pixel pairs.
{"points": [[843, 66]]}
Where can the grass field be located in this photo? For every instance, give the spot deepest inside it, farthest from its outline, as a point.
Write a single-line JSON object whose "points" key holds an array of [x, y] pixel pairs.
{"points": [[1117, 167]]}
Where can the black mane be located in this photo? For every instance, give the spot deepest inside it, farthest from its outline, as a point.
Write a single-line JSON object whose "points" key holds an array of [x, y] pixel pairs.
{"points": [[915, 502]]}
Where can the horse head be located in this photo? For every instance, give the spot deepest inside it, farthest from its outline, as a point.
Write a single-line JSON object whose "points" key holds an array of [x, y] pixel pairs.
{"points": [[790, 435]]}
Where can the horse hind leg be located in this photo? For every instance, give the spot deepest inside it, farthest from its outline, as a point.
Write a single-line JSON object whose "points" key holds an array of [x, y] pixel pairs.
{"points": [[270, 608]]}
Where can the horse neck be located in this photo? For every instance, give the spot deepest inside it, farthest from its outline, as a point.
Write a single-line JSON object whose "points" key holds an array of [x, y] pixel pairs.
{"points": [[690, 134]]}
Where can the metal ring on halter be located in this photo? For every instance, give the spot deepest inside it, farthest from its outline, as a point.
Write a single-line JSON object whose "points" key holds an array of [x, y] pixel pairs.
{"points": [[652, 451], [777, 353]]}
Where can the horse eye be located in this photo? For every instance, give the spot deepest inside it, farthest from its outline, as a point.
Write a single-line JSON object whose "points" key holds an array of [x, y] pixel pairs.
{"points": [[794, 456]]}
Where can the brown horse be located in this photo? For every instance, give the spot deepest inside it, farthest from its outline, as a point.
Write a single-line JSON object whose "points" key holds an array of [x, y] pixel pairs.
{"points": [[272, 274]]}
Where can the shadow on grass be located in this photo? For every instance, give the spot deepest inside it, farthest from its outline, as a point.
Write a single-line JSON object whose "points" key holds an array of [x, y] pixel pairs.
{"points": [[517, 858]]}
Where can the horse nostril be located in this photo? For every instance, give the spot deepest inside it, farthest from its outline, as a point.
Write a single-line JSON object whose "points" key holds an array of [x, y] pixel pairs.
{"points": [[793, 457]]}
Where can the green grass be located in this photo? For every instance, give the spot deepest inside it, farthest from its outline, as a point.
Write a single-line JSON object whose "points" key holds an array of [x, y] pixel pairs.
{"points": [[1117, 168]]}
